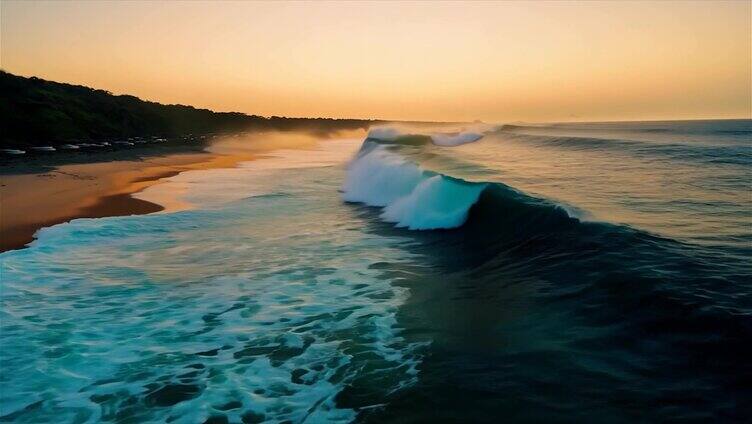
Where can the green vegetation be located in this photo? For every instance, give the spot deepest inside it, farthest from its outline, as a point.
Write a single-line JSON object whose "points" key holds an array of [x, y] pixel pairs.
{"points": [[36, 112]]}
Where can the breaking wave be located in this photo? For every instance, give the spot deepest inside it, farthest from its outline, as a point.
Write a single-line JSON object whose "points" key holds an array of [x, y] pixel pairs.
{"points": [[443, 139], [410, 197], [419, 199]]}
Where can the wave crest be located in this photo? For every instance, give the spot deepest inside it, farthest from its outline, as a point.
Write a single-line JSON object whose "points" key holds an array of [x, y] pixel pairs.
{"points": [[449, 140], [411, 197], [384, 133], [443, 139], [378, 178]]}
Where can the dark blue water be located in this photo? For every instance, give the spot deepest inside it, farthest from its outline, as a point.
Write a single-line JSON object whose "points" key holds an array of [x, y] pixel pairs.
{"points": [[566, 273], [603, 274]]}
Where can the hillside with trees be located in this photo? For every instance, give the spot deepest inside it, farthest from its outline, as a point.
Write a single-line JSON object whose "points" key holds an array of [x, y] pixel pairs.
{"points": [[37, 112]]}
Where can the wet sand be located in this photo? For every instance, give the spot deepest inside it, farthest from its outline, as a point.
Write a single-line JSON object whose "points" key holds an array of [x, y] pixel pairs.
{"points": [[33, 197], [90, 190]]}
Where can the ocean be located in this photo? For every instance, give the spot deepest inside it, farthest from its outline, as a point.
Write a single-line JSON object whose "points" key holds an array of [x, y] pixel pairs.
{"points": [[596, 272]]}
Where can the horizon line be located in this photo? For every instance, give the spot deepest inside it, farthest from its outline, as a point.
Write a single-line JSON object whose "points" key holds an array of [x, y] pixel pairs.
{"points": [[384, 120]]}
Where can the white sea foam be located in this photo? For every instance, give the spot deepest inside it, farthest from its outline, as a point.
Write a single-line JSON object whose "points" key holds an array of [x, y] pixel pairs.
{"points": [[410, 196], [378, 178], [260, 303]]}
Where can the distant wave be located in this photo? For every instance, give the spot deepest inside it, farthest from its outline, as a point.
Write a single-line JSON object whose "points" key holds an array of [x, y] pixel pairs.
{"points": [[512, 127], [384, 133], [448, 139], [731, 154], [739, 127]]}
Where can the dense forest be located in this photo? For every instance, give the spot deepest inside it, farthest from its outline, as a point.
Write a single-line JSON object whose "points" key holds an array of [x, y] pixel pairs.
{"points": [[35, 112]]}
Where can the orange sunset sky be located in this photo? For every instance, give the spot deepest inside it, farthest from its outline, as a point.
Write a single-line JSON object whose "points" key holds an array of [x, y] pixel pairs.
{"points": [[505, 61]]}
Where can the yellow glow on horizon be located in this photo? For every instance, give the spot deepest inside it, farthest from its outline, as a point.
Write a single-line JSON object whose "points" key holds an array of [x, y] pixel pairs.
{"points": [[505, 61]]}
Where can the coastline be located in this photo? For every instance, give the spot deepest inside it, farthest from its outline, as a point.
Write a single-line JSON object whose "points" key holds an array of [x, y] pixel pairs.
{"points": [[34, 196], [32, 201]]}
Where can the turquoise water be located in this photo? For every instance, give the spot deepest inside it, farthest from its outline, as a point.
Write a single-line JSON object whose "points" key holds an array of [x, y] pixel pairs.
{"points": [[264, 307], [592, 272]]}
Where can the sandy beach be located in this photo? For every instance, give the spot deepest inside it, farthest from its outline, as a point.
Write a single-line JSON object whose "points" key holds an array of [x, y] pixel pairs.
{"points": [[89, 190], [103, 187]]}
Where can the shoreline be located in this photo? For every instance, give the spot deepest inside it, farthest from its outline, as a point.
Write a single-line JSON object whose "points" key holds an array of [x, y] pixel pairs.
{"points": [[90, 190], [35, 196], [20, 236]]}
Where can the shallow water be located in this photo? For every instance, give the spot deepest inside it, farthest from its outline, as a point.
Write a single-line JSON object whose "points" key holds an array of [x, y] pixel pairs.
{"points": [[591, 272]]}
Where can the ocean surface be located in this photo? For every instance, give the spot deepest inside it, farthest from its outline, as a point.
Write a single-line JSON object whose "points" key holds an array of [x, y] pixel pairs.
{"points": [[516, 273]]}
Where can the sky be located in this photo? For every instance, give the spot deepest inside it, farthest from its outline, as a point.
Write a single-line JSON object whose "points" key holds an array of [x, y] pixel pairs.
{"points": [[447, 61]]}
